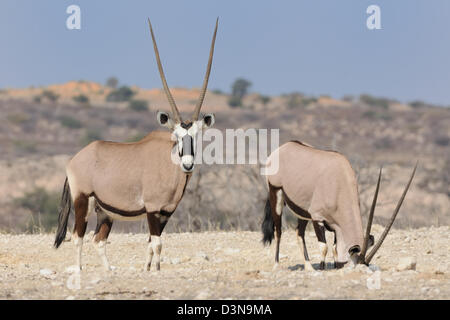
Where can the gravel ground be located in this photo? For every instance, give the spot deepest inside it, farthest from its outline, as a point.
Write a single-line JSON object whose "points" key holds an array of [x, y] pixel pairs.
{"points": [[223, 265]]}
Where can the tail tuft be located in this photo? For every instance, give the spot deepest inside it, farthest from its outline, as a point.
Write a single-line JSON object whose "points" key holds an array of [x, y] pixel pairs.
{"points": [[64, 212], [267, 226]]}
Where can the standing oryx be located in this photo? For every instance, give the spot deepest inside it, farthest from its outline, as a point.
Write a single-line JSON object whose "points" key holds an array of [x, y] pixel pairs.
{"points": [[134, 180], [320, 186]]}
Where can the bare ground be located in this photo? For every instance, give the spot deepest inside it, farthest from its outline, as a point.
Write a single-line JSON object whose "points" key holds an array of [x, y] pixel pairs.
{"points": [[222, 265]]}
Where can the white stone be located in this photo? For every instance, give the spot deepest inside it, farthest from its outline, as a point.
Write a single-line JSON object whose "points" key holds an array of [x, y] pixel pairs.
{"points": [[47, 273], [407, 263]]}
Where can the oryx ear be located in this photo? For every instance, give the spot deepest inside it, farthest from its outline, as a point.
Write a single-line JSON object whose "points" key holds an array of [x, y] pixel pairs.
{"points": [[164, 119], [208, 120]]}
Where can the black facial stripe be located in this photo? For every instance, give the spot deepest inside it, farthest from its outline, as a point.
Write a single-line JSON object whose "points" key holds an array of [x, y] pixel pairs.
{"points": [[188, 148]]}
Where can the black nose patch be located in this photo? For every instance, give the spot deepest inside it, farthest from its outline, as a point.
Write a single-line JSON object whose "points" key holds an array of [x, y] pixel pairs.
{"points": [[186, 125]]}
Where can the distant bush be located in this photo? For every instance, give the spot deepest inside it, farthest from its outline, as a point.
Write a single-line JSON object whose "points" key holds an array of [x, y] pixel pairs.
{"points": [[120, 95], [296, 99], [25, 145], [69, 122], [384, 143], [18, 118], [374, 115], [442, 141], [374, 102], [234, 102], [238, 91], [37, 99], [49, 95], [81, 98], [138, 105], [348, 98], [89, 136], [112, 82], [264, 99], [418, 104], [43, 206], [217, 91]]}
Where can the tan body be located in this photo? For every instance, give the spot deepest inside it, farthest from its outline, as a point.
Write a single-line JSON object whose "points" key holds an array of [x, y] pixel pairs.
{"points": [[320, 186], [129, 176], [323, 184]]}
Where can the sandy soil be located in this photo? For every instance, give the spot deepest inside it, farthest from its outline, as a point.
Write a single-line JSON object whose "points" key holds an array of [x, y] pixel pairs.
{"points": [[222, 265]]}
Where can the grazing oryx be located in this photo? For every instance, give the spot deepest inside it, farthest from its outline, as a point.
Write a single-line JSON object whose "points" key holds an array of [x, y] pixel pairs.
{"points": [[321, 186], [134, 180]]}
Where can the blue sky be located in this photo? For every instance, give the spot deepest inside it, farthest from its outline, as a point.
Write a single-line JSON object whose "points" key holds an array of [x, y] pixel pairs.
{"points": [[315, 47]]}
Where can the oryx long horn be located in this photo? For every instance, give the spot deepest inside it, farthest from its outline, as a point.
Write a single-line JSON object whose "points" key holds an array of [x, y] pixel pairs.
{"points": [[362, 256], [205, 81], [175, 112], [394, 215]]}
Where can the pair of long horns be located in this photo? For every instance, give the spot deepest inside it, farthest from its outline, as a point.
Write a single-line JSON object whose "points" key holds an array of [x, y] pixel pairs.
{"points": [[362, 257], [175, 112]]}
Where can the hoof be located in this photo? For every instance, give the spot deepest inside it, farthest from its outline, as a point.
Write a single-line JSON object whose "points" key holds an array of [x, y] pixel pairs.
{"points": [[322, 265]]}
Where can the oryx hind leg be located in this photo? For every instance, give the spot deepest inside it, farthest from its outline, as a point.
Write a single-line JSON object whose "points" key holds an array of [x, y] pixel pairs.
{"points": [[319, 229], [102, 230], [276, 200], [301, 227], [81, 214], [335, 251]]}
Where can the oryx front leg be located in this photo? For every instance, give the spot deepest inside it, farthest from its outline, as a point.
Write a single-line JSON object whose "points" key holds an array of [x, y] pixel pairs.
{"points": [[104, 225], [302, 244], [335, 251], [155, 245]]}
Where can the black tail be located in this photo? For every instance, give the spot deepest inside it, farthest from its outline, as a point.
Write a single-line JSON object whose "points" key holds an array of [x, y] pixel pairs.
{"points": [[64, 212], [267, 226]]}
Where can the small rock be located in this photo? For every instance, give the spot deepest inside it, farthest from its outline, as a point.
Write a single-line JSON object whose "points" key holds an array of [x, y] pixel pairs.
{"points": [[374, 267], [203, 256], [363, 268], [47, 273], [231, 251], [72, 269], [439, 270], [407, 263]]}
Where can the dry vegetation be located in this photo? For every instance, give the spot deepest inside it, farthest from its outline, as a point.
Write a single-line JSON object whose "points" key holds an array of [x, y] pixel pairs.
{"points": [[38, 136]]}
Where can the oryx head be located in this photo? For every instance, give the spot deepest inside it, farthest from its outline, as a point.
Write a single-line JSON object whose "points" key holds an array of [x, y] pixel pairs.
{"points": [[185, 132]]}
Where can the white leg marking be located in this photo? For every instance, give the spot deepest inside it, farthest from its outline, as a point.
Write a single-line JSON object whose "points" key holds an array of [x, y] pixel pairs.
{"points": [[101, 249], [79, 245], [334, 253], [148, 261], [323, 248], [280, 202], [91, 207], [157, 247]]}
